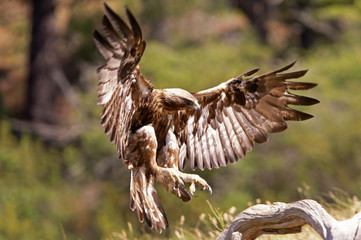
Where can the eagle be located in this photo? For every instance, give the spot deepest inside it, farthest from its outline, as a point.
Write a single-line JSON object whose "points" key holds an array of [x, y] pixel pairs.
{"points": [[158, 132]]}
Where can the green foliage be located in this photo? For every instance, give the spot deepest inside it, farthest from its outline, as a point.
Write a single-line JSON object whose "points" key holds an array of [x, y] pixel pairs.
{"points": [[82, 192], [29, 176], [199, 67], [209, 226]]}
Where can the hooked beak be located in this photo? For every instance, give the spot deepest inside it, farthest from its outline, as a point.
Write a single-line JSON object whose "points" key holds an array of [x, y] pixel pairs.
{"points": [[198, 109]]}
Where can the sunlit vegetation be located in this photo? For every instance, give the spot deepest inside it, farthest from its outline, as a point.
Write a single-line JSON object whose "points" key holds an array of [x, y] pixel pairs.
{"points": [[81, 190]]}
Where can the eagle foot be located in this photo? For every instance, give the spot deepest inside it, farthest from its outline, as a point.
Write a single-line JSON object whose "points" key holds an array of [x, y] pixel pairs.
{"points": [[196, 180], [173, 180]]}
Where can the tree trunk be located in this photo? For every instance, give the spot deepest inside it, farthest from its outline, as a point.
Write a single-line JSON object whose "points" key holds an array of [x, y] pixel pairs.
{"points": [[45, 100], [296, 15], [257, 11], [282, 218]]}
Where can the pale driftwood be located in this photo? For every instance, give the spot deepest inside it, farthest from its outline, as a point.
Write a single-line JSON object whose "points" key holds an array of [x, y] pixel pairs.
{"points": [[282, 218]]}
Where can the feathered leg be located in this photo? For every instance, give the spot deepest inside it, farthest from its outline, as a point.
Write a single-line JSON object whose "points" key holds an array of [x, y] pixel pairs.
{"points": [[144, 200], [141, 158], [171, 177]]}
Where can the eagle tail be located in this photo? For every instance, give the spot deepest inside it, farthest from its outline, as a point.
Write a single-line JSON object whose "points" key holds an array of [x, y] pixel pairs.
{"points": [[144, 200]]}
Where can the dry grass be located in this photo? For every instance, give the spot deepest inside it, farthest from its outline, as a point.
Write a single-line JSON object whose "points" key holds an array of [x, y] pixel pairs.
{"points": [[210, 225]]}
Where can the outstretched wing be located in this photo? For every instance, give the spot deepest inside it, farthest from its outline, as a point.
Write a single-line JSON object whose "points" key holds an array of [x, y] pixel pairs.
{"points": [[122, 89], [236, 114]]}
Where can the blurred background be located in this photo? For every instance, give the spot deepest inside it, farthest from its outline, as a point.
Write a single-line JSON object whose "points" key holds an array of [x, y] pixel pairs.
{"points": [[59, 175]]}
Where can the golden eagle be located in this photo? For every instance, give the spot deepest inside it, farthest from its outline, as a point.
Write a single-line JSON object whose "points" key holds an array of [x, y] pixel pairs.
{"points": [[158, 131]]}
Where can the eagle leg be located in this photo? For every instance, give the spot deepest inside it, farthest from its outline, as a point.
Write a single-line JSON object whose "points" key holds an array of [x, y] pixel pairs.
{"points": [[141, 160], [194, 179], [173, 180], [169, 175]]}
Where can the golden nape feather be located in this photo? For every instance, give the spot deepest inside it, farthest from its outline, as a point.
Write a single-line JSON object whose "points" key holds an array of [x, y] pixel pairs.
{"points": [[159, 131]]}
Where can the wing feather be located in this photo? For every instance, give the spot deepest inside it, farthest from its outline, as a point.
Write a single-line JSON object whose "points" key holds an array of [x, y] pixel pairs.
{"points": [[211, 149], [233, 138], [199, 154], [182, 155], [135, 27], [240, 133], [239, 113], [114, 39], [118, 23], [190, 141], [103, 46], [225, 141], [220, 152], [254, 133], [205, 151], [122, 90]]}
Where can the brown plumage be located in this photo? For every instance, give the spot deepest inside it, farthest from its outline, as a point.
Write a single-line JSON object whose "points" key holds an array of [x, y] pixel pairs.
{"points": [[158, 131]]}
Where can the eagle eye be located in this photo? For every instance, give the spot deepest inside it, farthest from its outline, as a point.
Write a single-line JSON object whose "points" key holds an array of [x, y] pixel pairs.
{"points": [[189, 103]]}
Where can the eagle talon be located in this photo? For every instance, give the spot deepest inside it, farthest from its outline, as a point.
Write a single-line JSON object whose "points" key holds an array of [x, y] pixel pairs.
{"points": [[204, 185], [208, 189], [192, 189]]}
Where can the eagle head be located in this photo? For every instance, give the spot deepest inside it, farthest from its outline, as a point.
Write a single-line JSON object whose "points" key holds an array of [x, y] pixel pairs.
{"points": [[174, 99]]}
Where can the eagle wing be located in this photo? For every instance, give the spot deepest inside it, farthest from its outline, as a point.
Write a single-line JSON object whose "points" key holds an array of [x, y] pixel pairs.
{"points": [[125, 94], [122, 89], [237, 114]]}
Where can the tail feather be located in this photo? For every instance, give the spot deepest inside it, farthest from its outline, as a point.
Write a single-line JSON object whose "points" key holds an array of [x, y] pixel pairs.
{"points": [[144, 200]]}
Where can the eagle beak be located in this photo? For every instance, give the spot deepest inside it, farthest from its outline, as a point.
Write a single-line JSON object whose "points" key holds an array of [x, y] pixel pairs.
{"points": [[198, 110]]}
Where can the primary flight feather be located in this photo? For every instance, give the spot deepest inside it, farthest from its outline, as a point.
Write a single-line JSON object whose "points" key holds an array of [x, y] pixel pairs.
{"points": [[158, 131]]}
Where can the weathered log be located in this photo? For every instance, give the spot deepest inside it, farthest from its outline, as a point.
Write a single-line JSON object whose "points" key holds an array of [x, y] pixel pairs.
{"points": [[282, 218]]}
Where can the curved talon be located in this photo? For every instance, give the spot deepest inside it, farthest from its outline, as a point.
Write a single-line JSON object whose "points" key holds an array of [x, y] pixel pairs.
{"points": [[193, 195], [184, 194], [202, 184], [175, 181], [192, 189], [209, 189], [205, 186]]}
